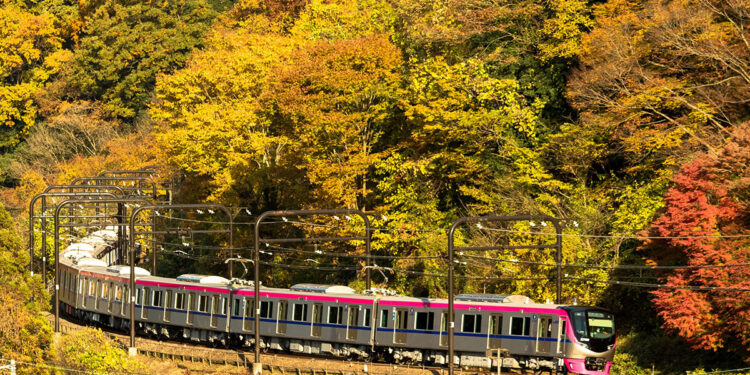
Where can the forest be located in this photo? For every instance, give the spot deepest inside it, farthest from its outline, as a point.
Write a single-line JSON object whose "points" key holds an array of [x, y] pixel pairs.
{"points": [[628, 119]]}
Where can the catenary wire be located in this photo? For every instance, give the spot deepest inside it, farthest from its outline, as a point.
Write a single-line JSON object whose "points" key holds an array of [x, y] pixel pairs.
{"points": [[659, 286]]}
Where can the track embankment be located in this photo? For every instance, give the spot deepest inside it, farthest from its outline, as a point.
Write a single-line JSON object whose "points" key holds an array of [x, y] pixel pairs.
{"points": [[273, 363]]}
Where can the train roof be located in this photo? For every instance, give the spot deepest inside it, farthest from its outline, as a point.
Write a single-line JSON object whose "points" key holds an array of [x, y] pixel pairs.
{"points": [[323, 288], [74, 254], [202, 279], [497, 298], [93, 240], [88, 261], [80, 247], [121, 269], [106, 234]]}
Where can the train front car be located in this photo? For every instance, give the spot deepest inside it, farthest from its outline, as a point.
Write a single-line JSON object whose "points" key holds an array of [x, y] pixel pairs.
{"points": [[592, 341]]}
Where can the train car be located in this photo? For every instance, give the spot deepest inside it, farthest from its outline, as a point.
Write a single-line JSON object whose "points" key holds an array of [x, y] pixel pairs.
{"points": [[335, 320]]}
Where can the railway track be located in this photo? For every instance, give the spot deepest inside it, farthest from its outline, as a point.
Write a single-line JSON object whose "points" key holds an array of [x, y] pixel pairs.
{"points": [[274, 363]]}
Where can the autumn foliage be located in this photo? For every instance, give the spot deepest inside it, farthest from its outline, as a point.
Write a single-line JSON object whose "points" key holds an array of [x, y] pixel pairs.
{"points": [[705, 221], [618, 116]]}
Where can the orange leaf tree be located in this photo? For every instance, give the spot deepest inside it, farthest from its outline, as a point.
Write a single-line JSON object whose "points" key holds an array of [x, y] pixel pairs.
{"points": [[703, 205]]}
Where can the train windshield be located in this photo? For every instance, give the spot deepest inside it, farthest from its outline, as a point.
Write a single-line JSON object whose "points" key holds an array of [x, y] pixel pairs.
{"points": [[593, 324]]}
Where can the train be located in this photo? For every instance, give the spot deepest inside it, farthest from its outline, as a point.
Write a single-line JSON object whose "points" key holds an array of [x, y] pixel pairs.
{"points": [[491, 330]]}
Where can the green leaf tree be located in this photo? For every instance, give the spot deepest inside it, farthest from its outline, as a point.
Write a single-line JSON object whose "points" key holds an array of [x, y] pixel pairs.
{"points": [[126, 44]]}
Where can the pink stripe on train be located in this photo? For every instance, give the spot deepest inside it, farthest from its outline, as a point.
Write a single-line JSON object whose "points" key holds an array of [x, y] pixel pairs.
{"points": [[462, 306], [184, 287], [306, 297]]}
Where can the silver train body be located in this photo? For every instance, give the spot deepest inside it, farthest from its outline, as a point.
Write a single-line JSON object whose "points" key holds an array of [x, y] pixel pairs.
{"points": [[334, 320]]}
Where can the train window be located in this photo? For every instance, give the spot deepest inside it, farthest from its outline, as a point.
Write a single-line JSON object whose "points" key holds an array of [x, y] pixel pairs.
{"points": [[203, 303], [236, 307], [472, 323], [168, 299], [266, 309], [367, 318], [520, 326], [82, 287], [157, 298], [299, 312], [335, 314], [91, 287], [424, 321], [444, 322], [383, 318], [180, 301], [98, 288], [118, 293], [104, 290], [139, 296], [146, 296]]}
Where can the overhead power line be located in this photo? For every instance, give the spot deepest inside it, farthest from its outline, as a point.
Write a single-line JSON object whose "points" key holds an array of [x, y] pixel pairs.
{"points": [[512, 231], [597, 266], [660, 286], [357, 256], [321, 253], [617, 236]]}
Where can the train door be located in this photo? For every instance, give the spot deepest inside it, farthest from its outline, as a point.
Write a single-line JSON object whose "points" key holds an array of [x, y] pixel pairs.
{"points": [[444, 329], [125, 300], [399, 328], [92, 293], [104, 295], [215, 310], [96, 294], [352, 322], [249, 313], [168, 306], [145, 300], [544, 335], [191, 308], [82, 291], [496, 329], [281, 317], [112, 294], [562, 334], [317, 319]]}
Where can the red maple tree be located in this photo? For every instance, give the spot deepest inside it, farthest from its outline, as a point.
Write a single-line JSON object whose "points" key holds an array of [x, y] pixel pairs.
{"points": [[705, 220]]}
